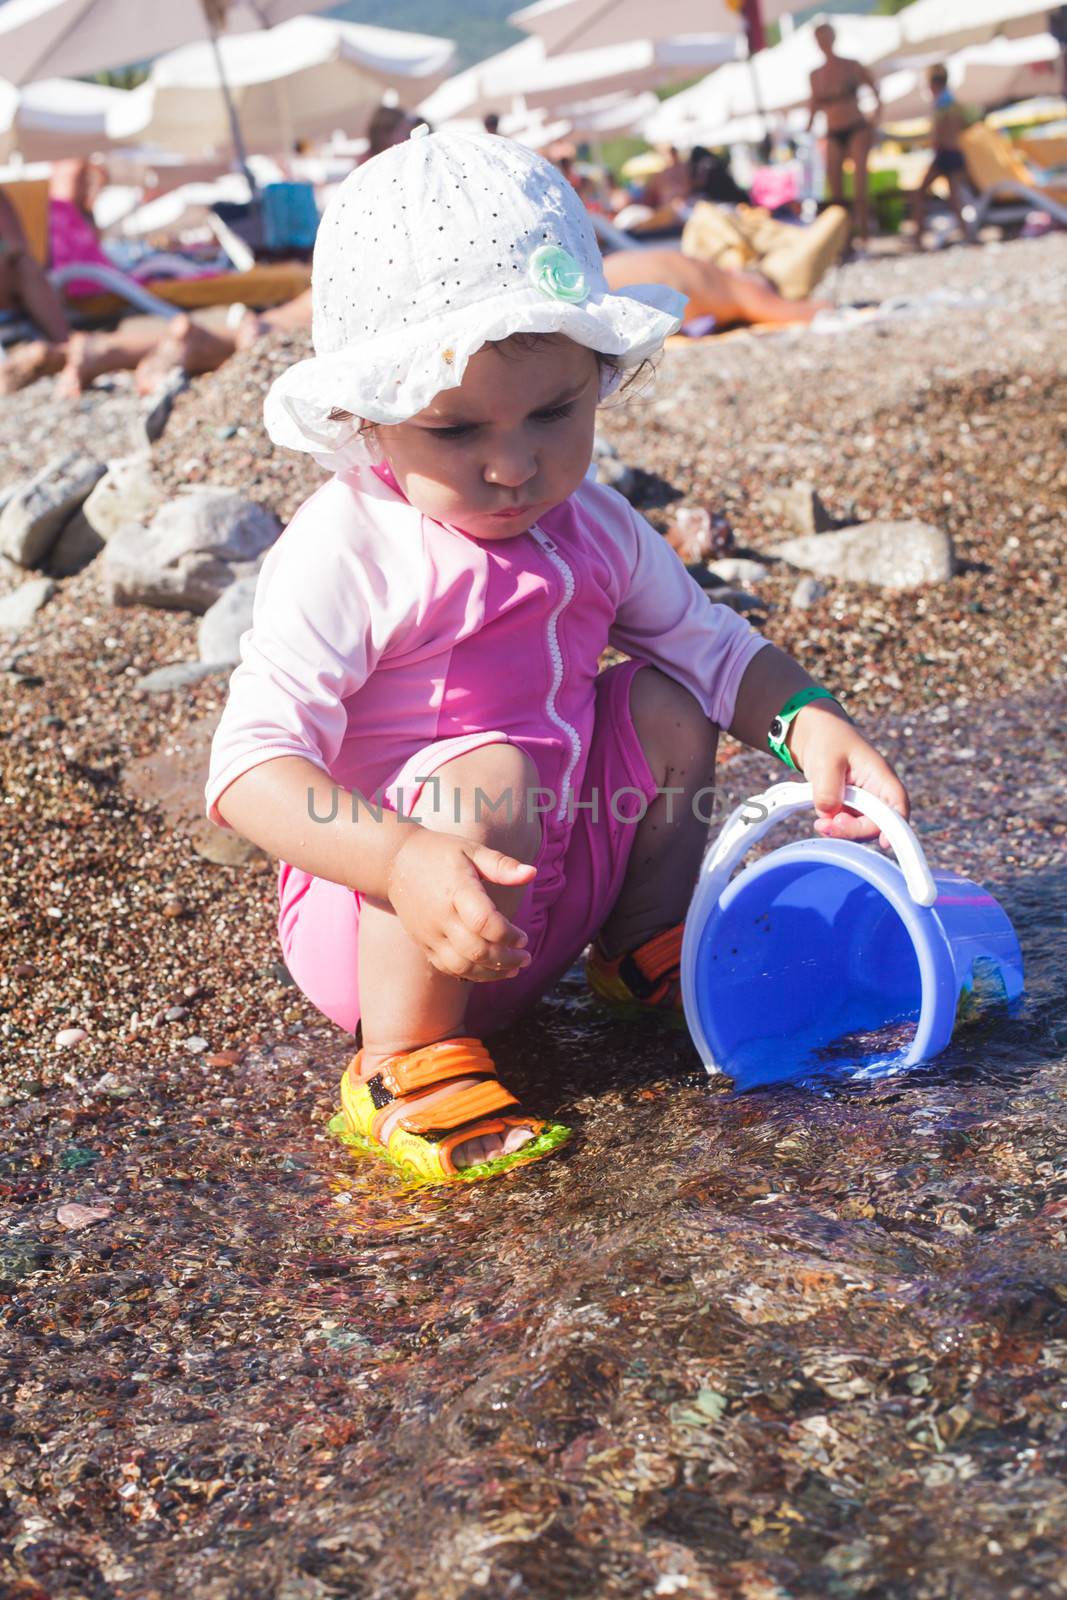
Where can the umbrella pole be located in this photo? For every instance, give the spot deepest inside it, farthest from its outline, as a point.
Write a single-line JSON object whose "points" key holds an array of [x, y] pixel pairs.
{"points": [[754, 41], [231, 112]]}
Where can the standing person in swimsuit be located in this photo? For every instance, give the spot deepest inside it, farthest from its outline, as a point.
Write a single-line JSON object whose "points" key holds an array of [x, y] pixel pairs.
{"points": [[834, 90]]}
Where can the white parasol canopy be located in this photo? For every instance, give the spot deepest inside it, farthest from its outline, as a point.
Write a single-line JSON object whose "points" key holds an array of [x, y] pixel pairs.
{"points": [[65, 38], [609, 116], [590, 24], [56, 118], [45, 38], [523, 75], [300, 80], [938, 27], [777, 79]]}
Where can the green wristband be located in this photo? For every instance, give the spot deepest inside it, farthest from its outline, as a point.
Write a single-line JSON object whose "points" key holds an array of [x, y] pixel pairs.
{"points": [[779, 729]]}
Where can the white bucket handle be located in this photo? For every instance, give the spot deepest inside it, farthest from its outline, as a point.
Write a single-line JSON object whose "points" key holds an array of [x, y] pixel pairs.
{"points": [[742, 830]]}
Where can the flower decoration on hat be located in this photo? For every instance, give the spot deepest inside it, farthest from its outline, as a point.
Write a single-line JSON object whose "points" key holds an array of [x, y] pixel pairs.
{"points": [[556, 273]]}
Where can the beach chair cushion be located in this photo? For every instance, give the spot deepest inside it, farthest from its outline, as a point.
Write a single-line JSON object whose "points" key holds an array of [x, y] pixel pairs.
{"points": [[991, 158], [266, 285], [793, 258], [29, 197]]}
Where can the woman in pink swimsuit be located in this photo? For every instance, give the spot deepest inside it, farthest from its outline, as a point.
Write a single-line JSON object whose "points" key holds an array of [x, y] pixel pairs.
{"points": [[418, 729]]}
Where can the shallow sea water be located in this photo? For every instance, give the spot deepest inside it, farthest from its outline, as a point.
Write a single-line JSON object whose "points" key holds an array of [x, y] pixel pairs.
{"points": [[793, 1343]]}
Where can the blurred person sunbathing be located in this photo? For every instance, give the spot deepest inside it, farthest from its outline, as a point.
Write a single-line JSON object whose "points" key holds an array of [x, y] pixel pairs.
{"points": [[712, 291], [670, 186], [25, 289], [729, 296], [26, 292]]}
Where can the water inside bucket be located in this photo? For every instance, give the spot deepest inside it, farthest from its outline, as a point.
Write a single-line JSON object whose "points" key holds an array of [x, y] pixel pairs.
{"points": [[807, 970]]}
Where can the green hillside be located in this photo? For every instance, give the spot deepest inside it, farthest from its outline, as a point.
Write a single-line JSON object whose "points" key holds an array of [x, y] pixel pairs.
{"points": [[478, 26]]}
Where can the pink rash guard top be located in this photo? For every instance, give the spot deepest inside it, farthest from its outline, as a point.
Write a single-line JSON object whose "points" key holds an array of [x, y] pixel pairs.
{"points": [[379, 635]]}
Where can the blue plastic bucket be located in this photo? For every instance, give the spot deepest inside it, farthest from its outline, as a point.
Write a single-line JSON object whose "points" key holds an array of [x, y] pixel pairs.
{"points": [[827, 956]]}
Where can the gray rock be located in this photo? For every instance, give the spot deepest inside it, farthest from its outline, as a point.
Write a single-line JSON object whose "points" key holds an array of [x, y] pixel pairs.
{"points": [[159, 404], [219, 635], [223, 847], [738, 600], [178, 675], [800, 508], [706, 578], [39, 508], [192, 550], [735, 570], [76, 546], [127, 493], [18, 608], [894, 555], [806, 593], [612, 471]]}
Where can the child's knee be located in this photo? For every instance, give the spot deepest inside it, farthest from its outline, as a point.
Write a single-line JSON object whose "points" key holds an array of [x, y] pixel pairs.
{"points": [[672, 726], [488, 795]]}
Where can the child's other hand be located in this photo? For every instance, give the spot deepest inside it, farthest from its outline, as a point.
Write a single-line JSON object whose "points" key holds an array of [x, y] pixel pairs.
{"points": [[436, 889], [831, 753]]}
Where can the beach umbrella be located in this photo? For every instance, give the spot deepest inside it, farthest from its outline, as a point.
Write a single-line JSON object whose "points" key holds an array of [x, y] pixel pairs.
{"points": [[300, 80], [784, 79], [54, 119], [939, 27], [571, 25], [69, 38], [1008, 69], [524, 76], [608, 116]]}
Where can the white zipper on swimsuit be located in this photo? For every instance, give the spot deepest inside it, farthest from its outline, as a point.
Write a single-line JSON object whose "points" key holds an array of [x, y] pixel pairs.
{"points": [[556, 655]]}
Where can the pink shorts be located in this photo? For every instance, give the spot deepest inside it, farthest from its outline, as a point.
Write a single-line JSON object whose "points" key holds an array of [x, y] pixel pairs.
{"points": [[319, 929]]}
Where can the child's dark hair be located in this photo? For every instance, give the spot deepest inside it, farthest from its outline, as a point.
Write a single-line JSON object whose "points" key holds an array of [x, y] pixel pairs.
{"points": [[644, 371], [937, 76]]}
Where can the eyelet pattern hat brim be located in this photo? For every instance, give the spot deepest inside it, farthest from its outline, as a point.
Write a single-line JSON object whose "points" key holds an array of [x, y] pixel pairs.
{"points": [[430, 251]]}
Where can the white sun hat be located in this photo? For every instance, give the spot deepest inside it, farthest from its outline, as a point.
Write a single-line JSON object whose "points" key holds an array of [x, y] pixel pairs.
{"points": [[429, 251]]}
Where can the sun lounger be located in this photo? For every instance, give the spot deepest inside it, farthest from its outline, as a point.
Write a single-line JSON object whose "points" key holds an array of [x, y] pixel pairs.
{"points": [[271, 284], [261, 286], [1050, 152], [1001, 180], [29, 197], [609, 237]]}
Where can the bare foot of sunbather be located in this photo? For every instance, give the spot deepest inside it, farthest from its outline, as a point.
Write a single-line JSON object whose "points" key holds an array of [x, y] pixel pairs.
{"points": [[90, 355], [250, 330], [28, 362], [186, 344]]}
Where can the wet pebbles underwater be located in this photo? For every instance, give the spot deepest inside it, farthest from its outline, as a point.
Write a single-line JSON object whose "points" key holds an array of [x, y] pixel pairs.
{"points": [[766, 1347]]}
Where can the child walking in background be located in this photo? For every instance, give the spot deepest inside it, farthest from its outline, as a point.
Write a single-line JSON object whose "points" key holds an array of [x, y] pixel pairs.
{"points": [[417, 728], [948, 162]]}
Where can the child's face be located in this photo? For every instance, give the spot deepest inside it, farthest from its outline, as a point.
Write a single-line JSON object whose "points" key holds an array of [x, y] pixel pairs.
{"points": [[513, 440]]}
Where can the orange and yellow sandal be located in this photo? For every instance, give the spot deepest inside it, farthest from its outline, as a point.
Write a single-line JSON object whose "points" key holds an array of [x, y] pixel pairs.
{"points": [[418, 1108], [645, 981]]}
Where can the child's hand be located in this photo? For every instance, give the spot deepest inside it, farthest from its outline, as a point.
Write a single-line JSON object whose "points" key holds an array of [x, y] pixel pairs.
{"points": [[436, 889], [832, 753]]}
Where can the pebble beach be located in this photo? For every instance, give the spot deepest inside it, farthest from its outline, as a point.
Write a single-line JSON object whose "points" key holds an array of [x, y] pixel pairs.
{"points": [[751, 1347]]}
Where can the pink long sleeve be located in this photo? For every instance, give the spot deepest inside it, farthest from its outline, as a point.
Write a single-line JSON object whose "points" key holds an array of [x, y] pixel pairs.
{"points": [[667, 618], [324, 611]]}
